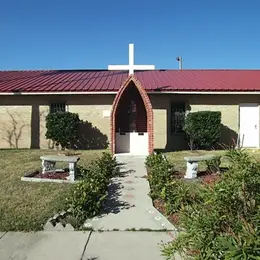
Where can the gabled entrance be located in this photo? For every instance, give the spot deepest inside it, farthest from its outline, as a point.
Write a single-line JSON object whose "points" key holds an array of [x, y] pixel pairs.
{"points": [[132, 120]]}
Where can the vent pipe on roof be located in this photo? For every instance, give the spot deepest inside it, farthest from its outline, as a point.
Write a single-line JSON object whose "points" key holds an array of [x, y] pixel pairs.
{"points": [[179, 59]]}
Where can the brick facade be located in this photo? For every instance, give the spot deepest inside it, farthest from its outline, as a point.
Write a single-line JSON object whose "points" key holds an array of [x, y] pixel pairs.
{"points": [[227, 104], [22, 118], [148, 107]]}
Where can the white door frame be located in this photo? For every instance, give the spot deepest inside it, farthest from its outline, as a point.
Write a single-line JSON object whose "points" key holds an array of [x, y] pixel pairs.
{"points": [[258, 118]]}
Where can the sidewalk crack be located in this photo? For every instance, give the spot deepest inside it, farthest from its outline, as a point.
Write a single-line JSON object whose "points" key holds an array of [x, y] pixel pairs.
{"points": [[85, 247], [3, 235]]}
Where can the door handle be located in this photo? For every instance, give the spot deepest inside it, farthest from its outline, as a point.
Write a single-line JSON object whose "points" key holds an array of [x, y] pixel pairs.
{"points": [[255, 126]]}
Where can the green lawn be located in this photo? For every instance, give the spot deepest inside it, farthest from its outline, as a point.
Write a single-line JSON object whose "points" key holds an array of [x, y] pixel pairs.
{"points": [[27, 205]]}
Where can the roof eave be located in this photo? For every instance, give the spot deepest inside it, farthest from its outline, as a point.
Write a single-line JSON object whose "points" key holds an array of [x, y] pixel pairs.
{"points": [[58, 93], [115, 92]]}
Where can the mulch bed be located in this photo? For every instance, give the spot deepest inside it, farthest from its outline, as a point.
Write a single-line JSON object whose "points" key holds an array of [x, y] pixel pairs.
{"points": [[173, 218], [210, 179], [49, 175]]}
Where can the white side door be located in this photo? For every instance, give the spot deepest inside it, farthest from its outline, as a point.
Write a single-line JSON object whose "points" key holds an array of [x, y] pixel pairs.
{"points": [[249, 125]]}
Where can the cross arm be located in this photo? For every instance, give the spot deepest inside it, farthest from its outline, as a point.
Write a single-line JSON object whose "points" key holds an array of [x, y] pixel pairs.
{"points": [[144, 67], [118, 67]]}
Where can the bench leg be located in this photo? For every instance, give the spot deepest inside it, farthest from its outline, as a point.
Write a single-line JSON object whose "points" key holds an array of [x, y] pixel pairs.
{"points": [[191, 171], [72, 168], [48, 166]]}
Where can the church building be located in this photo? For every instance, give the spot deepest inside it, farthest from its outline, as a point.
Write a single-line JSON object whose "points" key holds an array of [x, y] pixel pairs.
{"points": [[131, 109]]}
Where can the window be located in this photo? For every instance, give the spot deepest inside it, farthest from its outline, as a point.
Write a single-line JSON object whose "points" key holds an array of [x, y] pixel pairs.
{"points": [[57, 107], [132, 116], [177, 117]]}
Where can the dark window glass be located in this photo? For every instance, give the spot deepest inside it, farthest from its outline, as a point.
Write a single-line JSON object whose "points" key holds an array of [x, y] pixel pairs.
{"points": [[57, 107], [177, 117], [132, 116]]}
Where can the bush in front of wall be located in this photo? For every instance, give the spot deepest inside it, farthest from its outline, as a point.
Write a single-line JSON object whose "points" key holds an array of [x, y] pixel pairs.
{"points": [[203, 129], [62, 128]]}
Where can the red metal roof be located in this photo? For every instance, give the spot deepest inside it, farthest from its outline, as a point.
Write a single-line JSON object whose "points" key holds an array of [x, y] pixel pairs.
{"points": [[106, 81]]}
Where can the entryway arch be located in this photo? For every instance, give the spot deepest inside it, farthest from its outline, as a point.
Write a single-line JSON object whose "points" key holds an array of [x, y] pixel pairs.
{"points": [[132, 120]]}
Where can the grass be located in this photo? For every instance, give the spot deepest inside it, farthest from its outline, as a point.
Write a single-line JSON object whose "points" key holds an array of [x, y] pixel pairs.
{"points": [[26, 206], [177, 158]]}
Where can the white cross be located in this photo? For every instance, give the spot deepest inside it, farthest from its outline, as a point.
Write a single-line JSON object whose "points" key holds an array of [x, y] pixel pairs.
{"points": [[131, 66]]}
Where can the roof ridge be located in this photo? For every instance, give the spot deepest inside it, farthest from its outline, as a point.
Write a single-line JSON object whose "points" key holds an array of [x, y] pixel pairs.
{"points": [[98, 70], [44, 70]]}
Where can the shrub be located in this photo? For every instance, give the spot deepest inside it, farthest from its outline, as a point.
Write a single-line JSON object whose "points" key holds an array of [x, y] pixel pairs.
{"points": [[62, 128], [154, 159], [159, 172], [203, 129], [178, 194], [213, 165], [224, 224], [88, 195], [108, 165]]}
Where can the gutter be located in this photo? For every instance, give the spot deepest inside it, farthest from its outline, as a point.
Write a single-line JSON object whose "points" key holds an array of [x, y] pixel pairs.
{"points": [[206, 92]]}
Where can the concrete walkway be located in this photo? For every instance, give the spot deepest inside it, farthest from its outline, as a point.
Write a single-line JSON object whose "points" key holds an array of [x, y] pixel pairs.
{"points": [[87, 245], [129, 206]]}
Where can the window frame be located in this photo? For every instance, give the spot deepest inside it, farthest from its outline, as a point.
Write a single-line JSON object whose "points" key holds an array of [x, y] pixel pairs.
{"points": [[58, 103], [181, 105]]}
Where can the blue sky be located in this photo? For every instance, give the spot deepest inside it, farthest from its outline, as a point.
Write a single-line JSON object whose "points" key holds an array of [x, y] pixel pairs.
{"points": [[93, 34]]}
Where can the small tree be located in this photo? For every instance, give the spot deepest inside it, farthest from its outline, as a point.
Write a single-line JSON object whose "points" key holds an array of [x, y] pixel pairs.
{"points": [[203, 129], [62, 128]]}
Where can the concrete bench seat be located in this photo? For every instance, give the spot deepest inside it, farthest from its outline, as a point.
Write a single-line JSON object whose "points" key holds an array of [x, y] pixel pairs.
{"points": [[49, 162], [192, 164]]}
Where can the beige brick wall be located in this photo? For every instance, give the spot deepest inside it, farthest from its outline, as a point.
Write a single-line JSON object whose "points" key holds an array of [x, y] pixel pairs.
{"points": [[160, 128], [29, 113], [228, 105], [15, 126], [44, 143]]}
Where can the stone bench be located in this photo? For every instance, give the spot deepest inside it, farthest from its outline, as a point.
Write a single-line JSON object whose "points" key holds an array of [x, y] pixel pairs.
{"points": [[49, 162], [192, 164]]}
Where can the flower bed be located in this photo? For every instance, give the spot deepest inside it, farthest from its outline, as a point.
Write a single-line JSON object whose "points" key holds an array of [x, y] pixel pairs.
{"points": [[53, 175]]}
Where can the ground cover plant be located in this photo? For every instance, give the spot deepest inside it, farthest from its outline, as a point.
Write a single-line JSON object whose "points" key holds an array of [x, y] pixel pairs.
{"points": [[219, 219]]}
